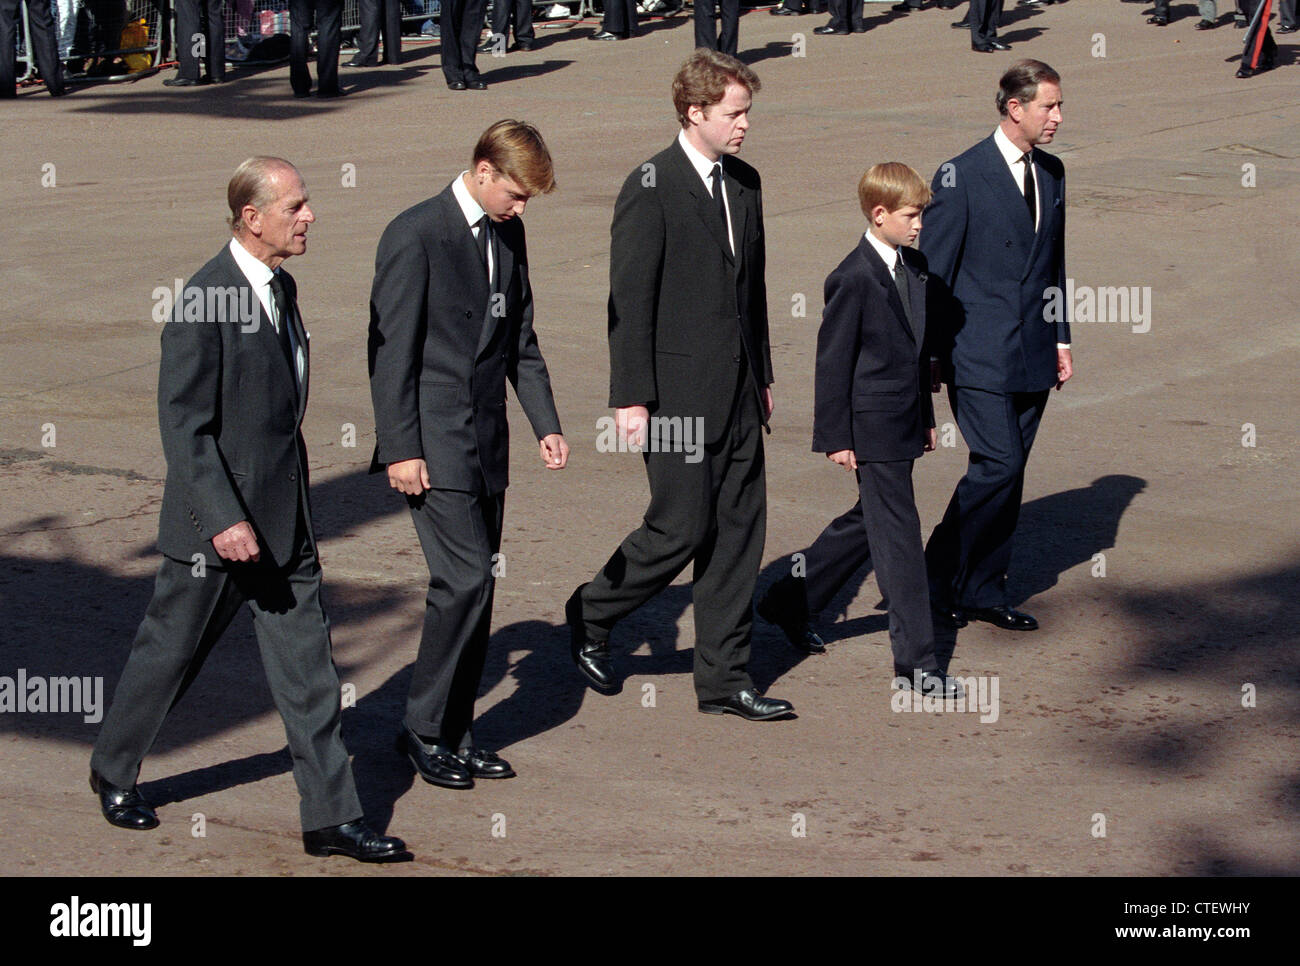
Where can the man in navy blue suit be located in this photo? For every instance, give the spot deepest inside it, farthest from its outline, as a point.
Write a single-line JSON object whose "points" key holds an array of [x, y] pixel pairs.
{"points": [[995, 234]]}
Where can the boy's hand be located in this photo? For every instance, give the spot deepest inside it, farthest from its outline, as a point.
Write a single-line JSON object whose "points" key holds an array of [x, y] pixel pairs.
{"points": [[845, 458], [931, 438]]}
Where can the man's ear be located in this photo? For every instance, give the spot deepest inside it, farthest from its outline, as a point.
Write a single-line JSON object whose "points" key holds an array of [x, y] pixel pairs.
{"points": [[251, 219], [483, 170], [695, 114]]}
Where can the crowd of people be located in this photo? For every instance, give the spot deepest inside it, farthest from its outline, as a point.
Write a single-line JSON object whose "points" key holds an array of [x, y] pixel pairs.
{"points": [[62, 30]]}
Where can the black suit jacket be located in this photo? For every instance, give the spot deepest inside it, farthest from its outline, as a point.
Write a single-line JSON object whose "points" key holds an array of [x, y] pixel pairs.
{"points": [[684, 312], [980, 240], [230, 417], [441, 351], [873, 363]]}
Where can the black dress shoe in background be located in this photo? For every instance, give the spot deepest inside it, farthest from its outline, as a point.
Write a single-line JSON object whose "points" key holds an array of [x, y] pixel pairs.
{"points": [[998, 45], [455, 85], [784, 11], [487, 46], [524, 46], [485, 764], [960, 25], [607, 35], [477, 84], [828, 29], [356, 840], [1285, 29], [358, 62], [948, 614], [433, 763], [183, 82], [797, 629], [934, 683], [592, 657], [1158, 20], [1210, 25], [1003, 617], [750, 705], [123, 807]]}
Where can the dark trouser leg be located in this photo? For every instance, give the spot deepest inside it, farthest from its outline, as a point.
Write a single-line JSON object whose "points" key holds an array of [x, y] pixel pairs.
{"points": [[215, 33], [459, 532], [188, 35], [706, 34], [293, 636], [369, 12], [42, 44], [8, 53], [186, 616], [329, 22], [834, 557], [524, 21], [983, 16], [894, 534], [1162, 9], [301, 15], [729, 30], [839, 10], [620, 16]]}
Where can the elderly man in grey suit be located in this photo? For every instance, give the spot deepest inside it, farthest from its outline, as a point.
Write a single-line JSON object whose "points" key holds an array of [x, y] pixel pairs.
{"points": [[451, 322], [235, 525]]}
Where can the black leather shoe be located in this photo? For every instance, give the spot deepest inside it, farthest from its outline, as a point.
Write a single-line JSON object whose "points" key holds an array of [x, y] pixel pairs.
{"points": [[750, 705], [606, 35], [948, 614], [934, 683], [123, 807], [960, 25], [356, 840], [1158, 20], [797, 630], [487, 46], [485, 764], [358, 62], [524, 46], [182, 82], [455, 85], [1003, 617], [433, 763], [1285, 29], [591, 656], [828, 29], [477, 84], [1244, 72], [998, 45], [1210, 25], [784, 11]]}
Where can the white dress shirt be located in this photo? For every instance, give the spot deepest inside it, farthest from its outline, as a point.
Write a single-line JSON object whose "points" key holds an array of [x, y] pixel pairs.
{"points": [[259, 277], [473, 213], [704, 168]]}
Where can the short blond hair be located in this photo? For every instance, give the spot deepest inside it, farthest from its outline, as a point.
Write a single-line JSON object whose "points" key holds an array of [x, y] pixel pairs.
{"points": [[516, 150], [892, 185]]}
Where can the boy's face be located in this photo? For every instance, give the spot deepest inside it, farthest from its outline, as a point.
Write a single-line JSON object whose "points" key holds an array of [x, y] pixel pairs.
{"points": [[898, 227]]}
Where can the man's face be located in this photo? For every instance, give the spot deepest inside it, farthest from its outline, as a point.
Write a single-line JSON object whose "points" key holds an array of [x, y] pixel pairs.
{"points": [[281, 226], [720, 128], [898, 227], [1038, 119], [500, 197]]}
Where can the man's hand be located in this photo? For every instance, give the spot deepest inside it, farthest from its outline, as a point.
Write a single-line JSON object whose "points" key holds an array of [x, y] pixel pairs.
{"points": [[931, 439], [555, 451], [767, 401], [1064, 367], [936, 375], [632, 423], [845, 457], [409, 476], [237, 543]]}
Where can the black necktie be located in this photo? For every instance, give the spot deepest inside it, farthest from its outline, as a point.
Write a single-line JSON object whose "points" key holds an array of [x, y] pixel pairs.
{"points": [[720, 202], [284, 310], [900, 282], [1030, 195], [482, 241]]}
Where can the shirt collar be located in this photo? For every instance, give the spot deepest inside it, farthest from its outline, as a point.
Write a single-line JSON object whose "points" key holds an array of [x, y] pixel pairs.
{"points": [[1010, 153], [470, 208], [889, 255], [256, 271], [702, 165]]}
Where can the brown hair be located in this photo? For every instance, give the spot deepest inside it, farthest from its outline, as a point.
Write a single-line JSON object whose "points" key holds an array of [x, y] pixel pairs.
{"points": [[516, 150], [251, 184], [893, 185], [703, 79], [1021, 81]]}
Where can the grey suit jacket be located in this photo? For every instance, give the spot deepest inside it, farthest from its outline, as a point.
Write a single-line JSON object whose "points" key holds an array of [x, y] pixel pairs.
{"points": [[230, 416], [441, 351]]}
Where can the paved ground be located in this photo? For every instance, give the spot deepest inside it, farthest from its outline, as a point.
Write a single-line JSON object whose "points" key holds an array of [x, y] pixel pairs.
{"points": [[1127, 707]]}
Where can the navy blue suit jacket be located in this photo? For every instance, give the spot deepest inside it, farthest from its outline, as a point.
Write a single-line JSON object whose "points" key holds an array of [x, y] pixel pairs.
{"points": [[979, 240]]}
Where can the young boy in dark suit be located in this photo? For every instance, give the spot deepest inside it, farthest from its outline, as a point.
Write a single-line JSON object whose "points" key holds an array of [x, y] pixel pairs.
{"points": [[873, 415]]}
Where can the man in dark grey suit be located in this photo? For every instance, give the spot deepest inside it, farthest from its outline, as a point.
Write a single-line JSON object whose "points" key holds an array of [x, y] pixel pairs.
{"points": [[995, 235], [451, 321], [688, 347], [235, 525]]}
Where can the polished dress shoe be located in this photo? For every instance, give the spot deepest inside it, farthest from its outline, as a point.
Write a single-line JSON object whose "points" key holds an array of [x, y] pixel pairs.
{"points": [[998, 45], [750, 705], [358, 62], [433, 763], [524, 46], [356, 840], [477, 84], [1244, 72], [592, 657], [1210, 25], [123, 807], [948, 614], [934, 683], [784, 11], [183, 82], [606, 35], [797, 630], [960, 25], [485, 764], [1284, 29], [828, 29], [1001, 616], [487, 46], [1158, 20], [455, 85]]}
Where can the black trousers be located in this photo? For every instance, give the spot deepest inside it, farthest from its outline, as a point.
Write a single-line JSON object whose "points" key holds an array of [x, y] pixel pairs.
{"points": [[42, 44], [723, 38], [983, 17], [460, 533], [712, 513], [200, 21], [1286, 11], [380, 18], [970, 550], [328, 16], [1260, 48], [460, 23], [522, 11], [620, 17], [884, 528], [186, 617], [846, 15]]}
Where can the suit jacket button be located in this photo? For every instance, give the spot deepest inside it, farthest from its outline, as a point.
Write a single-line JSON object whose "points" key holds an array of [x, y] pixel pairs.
{"points": [[293, 477], [470, 315], [1008, 242]]}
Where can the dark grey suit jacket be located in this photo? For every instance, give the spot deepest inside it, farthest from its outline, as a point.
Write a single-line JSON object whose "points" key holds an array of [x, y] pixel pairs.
{"points": [[980, 240], [873, 363], [230, 417], [684, 313], [440, 353]]}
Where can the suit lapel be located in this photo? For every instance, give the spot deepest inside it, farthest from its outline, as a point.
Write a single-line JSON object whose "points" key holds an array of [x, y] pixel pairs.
{"points": [[459, 248], [916, 282], [1010, 195], [1049, 192], [299, 330], [738, 196], [504, 259], [703, 202], [878, 270]]}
